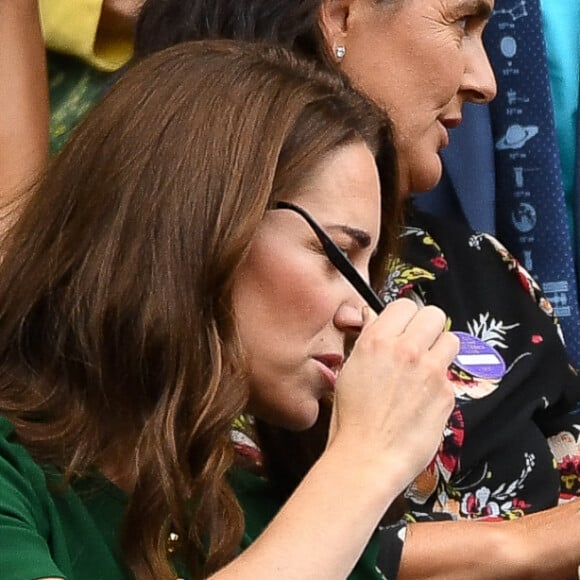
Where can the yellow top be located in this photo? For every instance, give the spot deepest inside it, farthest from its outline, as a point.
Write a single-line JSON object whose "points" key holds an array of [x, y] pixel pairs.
{"points": [[70, 26]]}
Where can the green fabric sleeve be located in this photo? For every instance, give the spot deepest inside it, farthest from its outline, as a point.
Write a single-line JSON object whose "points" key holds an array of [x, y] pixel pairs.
{"points": [[24, 552]]}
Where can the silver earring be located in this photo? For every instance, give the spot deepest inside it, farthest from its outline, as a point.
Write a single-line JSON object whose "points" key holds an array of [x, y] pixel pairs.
{"points": [[340, 51]]}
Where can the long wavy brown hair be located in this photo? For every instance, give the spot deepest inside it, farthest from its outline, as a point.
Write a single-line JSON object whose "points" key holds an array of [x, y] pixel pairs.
{"points": [[118, 343], [295, 25]]}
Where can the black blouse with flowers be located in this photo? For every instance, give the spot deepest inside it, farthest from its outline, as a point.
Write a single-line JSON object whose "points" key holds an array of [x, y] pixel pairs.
{"points": [[511, 445]]}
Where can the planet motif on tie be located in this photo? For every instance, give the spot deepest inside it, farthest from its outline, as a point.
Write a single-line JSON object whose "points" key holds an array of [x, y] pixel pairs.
{"points": [[524, 218], [508, 46], [516, 137]]}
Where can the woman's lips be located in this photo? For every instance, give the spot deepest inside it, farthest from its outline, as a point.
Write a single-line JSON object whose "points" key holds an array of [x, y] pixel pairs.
{"points": [[450, 122], [444, 137], [446, 124], [330, 366]]}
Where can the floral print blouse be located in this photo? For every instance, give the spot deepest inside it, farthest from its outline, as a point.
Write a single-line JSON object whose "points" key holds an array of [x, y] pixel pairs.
{"points": [[511, 446]]}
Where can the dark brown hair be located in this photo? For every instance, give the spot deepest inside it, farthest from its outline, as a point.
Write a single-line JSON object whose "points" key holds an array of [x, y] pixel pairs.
{"points": [[118, 342], [293, 24], [289, 23]]}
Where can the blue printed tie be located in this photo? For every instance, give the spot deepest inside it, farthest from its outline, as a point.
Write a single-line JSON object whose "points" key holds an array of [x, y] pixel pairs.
{"points": [[531, 207]]}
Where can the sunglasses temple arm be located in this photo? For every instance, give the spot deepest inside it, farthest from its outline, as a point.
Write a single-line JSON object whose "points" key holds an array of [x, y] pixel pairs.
{"points": [[347, 270]]}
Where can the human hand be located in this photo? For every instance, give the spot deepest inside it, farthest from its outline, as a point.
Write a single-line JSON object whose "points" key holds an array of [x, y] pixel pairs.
{"points": [[392, 397], [119, 16], [123, 8]]}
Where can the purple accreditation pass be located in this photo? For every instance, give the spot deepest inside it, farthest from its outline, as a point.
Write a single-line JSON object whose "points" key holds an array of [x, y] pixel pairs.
{"points": [[478, 358]]}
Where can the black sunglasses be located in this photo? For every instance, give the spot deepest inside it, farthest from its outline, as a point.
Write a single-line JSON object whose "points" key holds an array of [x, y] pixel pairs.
{"points": [[338, 259]]}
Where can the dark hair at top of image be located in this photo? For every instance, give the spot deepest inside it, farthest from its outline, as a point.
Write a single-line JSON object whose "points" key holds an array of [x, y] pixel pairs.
{"points": [[288, 23], [117, 330], [292, 24]]}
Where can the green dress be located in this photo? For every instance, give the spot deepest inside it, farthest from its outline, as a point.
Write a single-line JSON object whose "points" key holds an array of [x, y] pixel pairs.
{"points": [[74, 534]]}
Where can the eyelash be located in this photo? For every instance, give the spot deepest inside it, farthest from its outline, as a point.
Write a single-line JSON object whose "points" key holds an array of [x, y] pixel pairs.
{"points": [[343, 249], [317, 247]]}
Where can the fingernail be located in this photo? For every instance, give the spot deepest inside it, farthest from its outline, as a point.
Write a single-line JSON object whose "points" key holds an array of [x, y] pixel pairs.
{"points": [[365, 313]]}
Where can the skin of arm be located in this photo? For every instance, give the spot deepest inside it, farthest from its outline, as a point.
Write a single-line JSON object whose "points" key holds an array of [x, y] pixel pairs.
{"points": [[538, 546], [310, 538], [23, 98]]}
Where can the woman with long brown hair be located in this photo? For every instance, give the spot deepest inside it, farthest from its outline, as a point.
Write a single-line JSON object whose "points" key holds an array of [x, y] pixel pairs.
{"points": [[512, 447], [161, 280]]}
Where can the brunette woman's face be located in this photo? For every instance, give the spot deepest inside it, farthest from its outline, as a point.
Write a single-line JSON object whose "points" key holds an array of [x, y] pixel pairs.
{"points": [[421, 60], [295, 311]]}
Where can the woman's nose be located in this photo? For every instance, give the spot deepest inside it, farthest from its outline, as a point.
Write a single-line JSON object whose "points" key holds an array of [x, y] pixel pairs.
{"points": [[349, 317]]}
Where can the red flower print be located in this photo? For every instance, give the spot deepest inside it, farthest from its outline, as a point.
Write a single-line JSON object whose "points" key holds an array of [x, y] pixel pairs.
{"points": [[403, 290], [439, 262], [524, 281]]}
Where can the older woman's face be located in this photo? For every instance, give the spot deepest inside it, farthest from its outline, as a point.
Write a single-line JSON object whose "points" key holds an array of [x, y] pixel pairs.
{"points": [[420, 59]]}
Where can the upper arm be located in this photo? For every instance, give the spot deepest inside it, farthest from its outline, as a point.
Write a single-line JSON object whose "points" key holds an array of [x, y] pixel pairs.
{"points": [[23, 98]]}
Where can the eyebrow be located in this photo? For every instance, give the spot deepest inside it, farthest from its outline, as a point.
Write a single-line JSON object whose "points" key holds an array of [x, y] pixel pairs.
{"points": [[479, 8], [362, 238]]}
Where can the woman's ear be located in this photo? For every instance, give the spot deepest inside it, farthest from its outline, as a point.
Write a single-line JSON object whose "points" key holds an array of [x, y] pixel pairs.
{"points": [[334, 15]]}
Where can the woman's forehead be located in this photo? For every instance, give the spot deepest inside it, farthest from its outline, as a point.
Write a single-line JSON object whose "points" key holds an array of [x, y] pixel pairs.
{"points": [[483, 8]]}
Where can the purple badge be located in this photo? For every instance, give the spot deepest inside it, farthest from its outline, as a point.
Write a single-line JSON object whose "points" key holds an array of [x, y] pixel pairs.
{"points": [[478, 358]]}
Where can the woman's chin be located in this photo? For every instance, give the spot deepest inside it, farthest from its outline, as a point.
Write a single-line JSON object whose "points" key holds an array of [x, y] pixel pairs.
{"points": [[422, 177], [303, 418]]}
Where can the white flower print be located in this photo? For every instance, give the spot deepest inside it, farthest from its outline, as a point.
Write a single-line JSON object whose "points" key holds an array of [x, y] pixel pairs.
{"points": [[475, 241], [493, 331]]}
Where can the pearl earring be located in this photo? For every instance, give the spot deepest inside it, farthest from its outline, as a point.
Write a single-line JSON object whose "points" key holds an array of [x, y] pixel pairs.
{"points": [[340, 51]]}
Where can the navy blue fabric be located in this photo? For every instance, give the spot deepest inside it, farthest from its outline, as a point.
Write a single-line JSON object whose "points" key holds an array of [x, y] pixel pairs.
{"points": [[477, 184], [467, 189], [531, 203]]}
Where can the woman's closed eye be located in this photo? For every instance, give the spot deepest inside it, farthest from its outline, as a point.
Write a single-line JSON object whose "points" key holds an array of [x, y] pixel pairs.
{"points": [[345, 248], [359, 257]]}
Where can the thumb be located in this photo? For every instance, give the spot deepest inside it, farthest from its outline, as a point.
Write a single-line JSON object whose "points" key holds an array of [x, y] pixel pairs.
{"points": [[368, 316]]}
